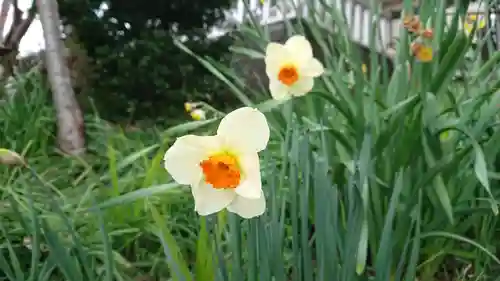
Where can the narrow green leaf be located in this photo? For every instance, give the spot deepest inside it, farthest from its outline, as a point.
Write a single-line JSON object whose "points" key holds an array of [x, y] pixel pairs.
{"points": [[460, 238], [112, 169], [450, 62], [135, 195], [247, 52], [204, 266], [185, 128], [481, 171], [176, 263]]}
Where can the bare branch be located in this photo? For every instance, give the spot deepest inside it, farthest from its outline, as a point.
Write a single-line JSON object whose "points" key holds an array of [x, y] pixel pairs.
{"points": [[3, 16], [21, 29], [17, 13], [18, 30]]}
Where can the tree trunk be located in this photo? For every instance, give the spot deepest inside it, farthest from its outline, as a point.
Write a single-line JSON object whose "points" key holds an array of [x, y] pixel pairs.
{"points": [[70, 132]]}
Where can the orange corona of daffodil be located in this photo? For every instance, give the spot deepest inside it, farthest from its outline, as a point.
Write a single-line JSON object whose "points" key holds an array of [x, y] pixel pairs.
{"points": [[425, 54], [422, 52]]}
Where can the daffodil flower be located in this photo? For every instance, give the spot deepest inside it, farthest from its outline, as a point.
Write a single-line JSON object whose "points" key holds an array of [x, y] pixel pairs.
{"points": [[422, 52], [425, 54], [471, 20], [198, 114], [412, 23], [291, 68], [223, 170]]}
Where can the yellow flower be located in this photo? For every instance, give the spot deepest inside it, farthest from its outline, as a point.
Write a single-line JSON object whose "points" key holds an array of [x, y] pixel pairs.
{"points": [[198, 114], [471, 20], [223, 170], [422, 52], [188, 106], [291, 68], [364, 68]]}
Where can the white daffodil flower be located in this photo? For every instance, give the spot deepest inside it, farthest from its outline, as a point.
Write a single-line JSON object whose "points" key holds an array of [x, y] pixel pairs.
{"points": [[223, 170], [291, 68]]}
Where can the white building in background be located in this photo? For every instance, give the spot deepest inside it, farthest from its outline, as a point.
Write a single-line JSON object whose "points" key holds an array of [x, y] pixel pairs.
{"points": [[358, 15]]}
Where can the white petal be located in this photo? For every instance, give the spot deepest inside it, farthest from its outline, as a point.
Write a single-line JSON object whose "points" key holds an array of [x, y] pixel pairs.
{"points": [[248, 208], [251, 185], [278, 90], [313, 68], [208, 200], [245, 130], [302, 86], [276, 56], [182, 159], [299, 48]]}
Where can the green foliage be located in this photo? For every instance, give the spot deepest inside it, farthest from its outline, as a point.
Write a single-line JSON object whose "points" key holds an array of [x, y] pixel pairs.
{"points": [[363, 183], [389, 175], [137, 72], [49, 231]]}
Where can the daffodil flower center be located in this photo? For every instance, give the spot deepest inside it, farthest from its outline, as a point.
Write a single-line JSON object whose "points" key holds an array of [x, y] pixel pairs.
{"points": [[288, 75], [472, 18], [424, 54], [197, 114], [221, 170]]}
